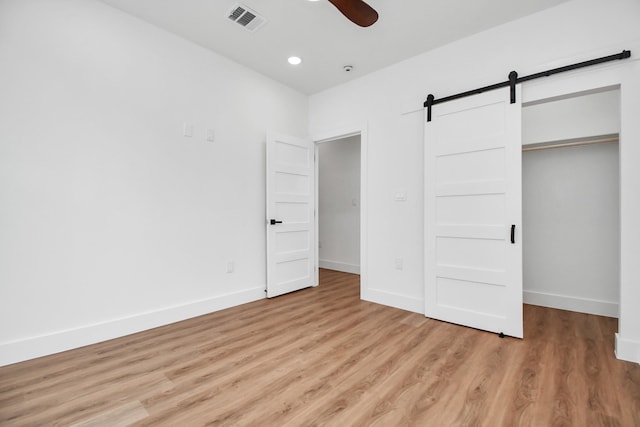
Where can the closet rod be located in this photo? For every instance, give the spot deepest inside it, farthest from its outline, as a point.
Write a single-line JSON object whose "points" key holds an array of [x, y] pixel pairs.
{"points": [[571, 144]]}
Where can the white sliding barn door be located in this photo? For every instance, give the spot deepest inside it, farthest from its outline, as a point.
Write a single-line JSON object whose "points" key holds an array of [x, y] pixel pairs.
{"points": [[290, 209], [473, 271]]}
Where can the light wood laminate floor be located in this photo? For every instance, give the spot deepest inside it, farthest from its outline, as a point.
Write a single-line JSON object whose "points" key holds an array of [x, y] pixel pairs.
{"points": [[322, 356]]}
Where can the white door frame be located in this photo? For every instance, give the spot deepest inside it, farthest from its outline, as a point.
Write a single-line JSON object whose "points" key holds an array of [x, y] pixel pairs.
{"points": [[624, 75], [333, 135]]}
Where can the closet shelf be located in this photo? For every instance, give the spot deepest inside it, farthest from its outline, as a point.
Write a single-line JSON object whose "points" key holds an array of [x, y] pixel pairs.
{"points": [[573, 142]]}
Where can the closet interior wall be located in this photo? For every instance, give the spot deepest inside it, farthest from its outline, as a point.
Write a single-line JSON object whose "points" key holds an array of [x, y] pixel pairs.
{"points": [[571, 203]]}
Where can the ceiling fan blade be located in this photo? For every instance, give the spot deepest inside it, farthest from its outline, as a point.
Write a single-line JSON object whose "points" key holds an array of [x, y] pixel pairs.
{"points": [[357, 11]]}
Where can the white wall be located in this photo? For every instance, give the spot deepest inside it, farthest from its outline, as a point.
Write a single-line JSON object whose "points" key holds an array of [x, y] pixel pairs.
{"points": [[339, 204], [571, 228], [110, 220], [390, 101], [584, 116]]}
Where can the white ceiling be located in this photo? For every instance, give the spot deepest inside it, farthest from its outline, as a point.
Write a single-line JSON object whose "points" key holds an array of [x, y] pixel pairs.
{"points": [[322, 36]]}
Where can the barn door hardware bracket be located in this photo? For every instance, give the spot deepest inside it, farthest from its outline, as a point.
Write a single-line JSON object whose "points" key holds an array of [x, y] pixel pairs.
{"points": [[501, 335], [513, 79], [428, 103]]}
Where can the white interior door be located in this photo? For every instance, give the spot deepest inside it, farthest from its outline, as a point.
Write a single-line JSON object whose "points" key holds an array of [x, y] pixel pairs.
{"points": [[473, 212], [290, 214]]}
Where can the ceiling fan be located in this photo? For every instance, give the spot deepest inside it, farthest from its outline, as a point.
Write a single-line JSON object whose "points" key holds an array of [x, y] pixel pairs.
{"points": [[357, 11]]}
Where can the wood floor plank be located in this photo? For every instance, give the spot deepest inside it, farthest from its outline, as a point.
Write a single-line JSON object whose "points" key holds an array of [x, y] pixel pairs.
{"points": [[350, 388], [88, 401], [322, 356], [262, 357], [257, 383], [121, 416], [471, 392], [628, 388], [517, 388], [394, 397]]}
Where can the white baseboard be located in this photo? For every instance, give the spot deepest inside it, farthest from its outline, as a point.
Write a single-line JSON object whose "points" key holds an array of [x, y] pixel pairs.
{"points": [[628, 350], [393, 300], [340, 266], [564, 302], [43, 345]]}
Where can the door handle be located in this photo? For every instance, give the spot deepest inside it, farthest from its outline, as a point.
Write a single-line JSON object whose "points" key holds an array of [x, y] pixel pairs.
{"points": [[513, 233], [274, 222]]}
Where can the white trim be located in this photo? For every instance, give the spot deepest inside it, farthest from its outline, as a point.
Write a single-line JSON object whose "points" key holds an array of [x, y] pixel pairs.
{"points": [[571, 303], [43, 345], [627, 350], [338, 133], [345, 132], [340, 266], [391, 299]]}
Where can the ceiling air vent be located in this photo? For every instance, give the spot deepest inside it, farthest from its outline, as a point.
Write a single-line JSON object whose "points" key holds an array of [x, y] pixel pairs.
{"points": [[249, 19]]}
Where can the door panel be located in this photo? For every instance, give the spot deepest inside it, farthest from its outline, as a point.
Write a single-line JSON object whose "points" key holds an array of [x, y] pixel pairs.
{"points": [[290, 199], [473, 273]]}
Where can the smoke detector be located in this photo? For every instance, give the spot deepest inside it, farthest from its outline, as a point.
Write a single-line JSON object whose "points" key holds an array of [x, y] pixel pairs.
{"points": [[249, 19]]}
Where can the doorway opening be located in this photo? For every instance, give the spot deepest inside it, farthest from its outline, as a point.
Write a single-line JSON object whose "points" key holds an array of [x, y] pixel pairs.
{"points": [[571, 202], [339, 205], [341, 217]]}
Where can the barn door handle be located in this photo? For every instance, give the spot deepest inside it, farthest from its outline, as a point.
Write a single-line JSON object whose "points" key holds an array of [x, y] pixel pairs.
{"points": [[274, 222], [513, 233]]}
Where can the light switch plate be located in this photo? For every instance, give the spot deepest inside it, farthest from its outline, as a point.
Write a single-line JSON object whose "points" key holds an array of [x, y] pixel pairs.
{"points": [[400, 196]]}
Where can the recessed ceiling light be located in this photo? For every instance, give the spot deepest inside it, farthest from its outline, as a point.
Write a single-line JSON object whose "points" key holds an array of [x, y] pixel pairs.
{"points": [[294, 60]]}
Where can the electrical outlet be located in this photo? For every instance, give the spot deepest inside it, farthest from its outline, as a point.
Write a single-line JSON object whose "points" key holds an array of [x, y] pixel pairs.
{"points": [[399, 263], [230, 267]]}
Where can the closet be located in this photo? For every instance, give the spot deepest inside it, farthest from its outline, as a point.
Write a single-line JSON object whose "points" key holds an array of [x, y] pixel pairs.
{"points": [[576, 138], [571, 202]]}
